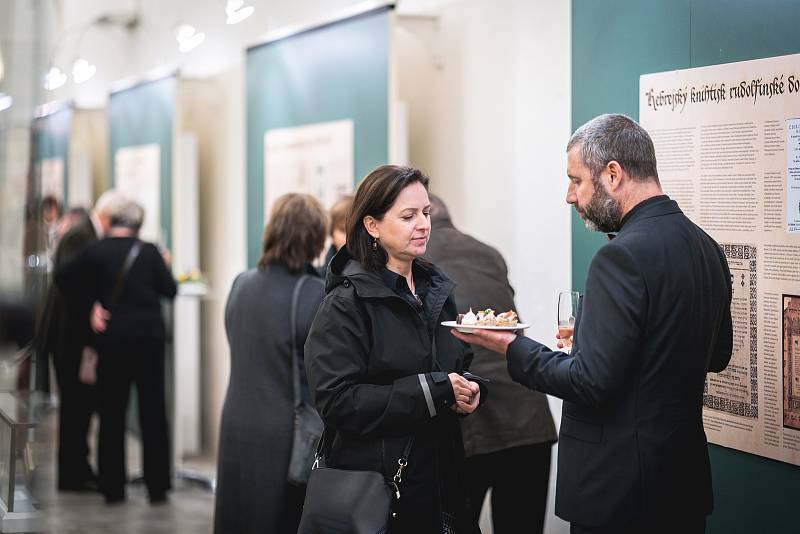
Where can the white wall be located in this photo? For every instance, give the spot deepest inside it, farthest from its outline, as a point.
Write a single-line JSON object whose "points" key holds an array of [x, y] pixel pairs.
{"points": [[488, 92], [222, 234]]}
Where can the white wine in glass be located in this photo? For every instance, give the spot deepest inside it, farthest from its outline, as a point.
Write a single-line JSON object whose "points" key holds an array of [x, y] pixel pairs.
{"points": [[567, 311]]}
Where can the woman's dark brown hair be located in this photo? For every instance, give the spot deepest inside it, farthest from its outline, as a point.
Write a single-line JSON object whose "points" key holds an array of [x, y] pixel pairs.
{"points": [[374, 197], [295, 233]]}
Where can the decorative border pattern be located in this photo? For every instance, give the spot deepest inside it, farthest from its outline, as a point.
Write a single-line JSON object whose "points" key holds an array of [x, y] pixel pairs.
{"points": [[742, 252]]}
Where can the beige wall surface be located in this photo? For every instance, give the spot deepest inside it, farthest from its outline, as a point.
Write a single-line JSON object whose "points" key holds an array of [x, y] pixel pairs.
{"points": [[213, 109]]}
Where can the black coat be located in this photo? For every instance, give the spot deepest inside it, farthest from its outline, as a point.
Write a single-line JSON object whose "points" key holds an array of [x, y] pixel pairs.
{"points": [[136, 314], [369, 364], [66, 324], [655, 319], [255, 438]]}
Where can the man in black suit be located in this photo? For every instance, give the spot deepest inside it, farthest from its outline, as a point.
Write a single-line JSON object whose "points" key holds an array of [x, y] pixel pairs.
{"points": [[654, 320]]}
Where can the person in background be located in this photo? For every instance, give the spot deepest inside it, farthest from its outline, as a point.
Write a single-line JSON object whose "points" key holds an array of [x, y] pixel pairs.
{"points": [[380, 365], [128, 278], [338, 229], [655, 319], [51, 212], [253, 495], [508, 442], [65, 335]]}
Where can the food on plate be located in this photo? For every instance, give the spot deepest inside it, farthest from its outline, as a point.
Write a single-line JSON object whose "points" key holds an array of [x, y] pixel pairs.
{"points": [[468, 319], [487, 317]]}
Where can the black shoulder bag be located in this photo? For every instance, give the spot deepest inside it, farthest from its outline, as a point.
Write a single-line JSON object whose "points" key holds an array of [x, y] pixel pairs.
{"points": [[307, 423], [343, 501]]}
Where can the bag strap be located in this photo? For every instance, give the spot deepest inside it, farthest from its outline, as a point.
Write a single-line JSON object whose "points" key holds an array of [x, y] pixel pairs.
{"points": [[298, 394], [402, 462], [123, 272]]}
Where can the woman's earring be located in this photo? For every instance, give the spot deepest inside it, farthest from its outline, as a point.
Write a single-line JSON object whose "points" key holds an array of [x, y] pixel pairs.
{"points": [[374, 244]]}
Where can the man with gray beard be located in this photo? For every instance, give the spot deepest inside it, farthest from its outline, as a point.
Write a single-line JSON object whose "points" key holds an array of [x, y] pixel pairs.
{"points": [[655, 319]]}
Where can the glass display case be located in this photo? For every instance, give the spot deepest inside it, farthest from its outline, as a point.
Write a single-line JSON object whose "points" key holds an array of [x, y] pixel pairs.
{"points": [[18, 462]]}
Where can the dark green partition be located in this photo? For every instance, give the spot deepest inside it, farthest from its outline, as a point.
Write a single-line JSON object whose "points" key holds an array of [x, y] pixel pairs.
{"points": [[51, 134], [144, 114], [613, 43], [337, 71]]}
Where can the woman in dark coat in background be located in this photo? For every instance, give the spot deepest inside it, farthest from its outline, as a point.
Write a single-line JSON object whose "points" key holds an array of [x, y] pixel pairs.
{"points": [[253, 496], [370, 363]]}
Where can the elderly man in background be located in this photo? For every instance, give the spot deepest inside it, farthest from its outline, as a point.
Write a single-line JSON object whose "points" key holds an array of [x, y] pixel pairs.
{"points": [[65, 334], [128, 277], [655, 319], [508, 441]]}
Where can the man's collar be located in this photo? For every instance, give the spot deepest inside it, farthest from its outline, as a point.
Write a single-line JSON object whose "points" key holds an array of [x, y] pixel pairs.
{"points": [[653, 206]]}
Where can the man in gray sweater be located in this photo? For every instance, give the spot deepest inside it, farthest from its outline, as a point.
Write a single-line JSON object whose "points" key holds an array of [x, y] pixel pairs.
{"points": [[508, 441]]}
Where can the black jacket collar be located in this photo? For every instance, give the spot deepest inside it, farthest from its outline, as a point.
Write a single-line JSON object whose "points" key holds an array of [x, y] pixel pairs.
{"points": [[344, 270], [368, 284], [651, 207]]}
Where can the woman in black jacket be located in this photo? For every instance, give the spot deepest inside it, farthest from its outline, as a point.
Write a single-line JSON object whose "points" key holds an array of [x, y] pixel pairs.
{"points": [[255, 439], [374, 374], [130, 349]]}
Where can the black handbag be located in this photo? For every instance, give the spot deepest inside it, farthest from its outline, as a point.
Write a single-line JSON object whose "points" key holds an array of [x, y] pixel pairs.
{"points": [[343, 501], [308, 426]]}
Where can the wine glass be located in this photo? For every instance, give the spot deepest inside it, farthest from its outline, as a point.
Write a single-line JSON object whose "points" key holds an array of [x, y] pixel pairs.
{"points": [[567, 311]]}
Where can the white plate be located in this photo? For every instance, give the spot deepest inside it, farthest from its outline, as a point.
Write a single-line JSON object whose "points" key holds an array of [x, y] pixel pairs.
{"points": [[470, 328]]}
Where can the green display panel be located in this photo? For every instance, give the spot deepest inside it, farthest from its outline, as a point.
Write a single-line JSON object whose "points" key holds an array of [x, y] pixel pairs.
{"points": [[334, 72], [51, 136], [613, 43], [141, 115]]}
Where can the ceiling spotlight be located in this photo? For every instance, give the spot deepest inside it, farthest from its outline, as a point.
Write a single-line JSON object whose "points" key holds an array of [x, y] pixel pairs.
{"points": [[188, 37], [54, 79], [237, 11], [5, 101], [82, 70]]}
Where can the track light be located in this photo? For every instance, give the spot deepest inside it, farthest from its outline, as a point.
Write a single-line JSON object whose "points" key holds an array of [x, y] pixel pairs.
{"points": [[5, 101], [188, 37], [54, 78], [237, 11], [82, 70]]}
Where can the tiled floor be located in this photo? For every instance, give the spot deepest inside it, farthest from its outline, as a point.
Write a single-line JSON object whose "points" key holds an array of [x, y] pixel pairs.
{"points": [[190, 509]]}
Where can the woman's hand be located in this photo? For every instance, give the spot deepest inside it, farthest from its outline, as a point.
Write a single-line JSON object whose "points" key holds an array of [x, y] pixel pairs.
{"points": [[462, 391], [466, 401], [98, 318]]}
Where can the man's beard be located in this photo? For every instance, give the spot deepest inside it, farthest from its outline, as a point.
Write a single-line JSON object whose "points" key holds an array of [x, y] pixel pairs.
{"points": [[602, 213]]}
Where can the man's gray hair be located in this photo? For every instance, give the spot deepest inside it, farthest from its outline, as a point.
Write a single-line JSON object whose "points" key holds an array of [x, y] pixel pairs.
{"points": [[110, 202], [618, 138], [438, 208], [128, 215]]}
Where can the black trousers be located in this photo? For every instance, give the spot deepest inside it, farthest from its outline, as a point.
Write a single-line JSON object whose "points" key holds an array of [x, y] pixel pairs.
{"points": [[695, 524], [120, 365], [518, 477], [77, 403]]}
